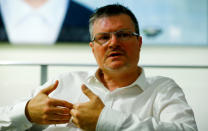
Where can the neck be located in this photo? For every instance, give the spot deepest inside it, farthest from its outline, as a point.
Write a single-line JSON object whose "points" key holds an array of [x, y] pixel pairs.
{"points": [[113, 80]]}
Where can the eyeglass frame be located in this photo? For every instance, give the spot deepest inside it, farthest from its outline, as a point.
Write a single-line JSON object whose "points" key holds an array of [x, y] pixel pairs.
{"points": [[115, 33]]}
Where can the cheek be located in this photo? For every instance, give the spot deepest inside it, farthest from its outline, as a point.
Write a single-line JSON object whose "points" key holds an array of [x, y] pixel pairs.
{"points": [[132, 52], [99, 54]]}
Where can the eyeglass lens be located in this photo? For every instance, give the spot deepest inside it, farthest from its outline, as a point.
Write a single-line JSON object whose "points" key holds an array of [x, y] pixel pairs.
{"points": [[103, 38]]}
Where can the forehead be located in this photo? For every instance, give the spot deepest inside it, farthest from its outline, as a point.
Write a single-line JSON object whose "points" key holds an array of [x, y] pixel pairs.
{"points": [[113, 23]]}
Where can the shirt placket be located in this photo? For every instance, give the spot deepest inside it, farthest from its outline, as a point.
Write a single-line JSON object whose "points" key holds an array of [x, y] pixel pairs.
{"points": [[109, 99]]}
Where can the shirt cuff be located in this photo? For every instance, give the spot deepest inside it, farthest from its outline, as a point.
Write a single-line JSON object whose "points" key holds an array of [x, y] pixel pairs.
{"points": [[110, 120], [18, 117]]}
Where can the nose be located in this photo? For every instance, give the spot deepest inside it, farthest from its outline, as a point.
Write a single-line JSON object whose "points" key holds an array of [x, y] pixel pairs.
{"points": [[114, 41]]}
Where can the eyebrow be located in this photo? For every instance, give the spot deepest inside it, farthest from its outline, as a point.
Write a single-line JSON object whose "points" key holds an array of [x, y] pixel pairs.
{"points": [[124, 29]]}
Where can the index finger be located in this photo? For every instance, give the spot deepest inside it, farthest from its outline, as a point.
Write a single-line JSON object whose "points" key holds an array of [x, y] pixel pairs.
{"points": [[88, 92], [63, 103]]}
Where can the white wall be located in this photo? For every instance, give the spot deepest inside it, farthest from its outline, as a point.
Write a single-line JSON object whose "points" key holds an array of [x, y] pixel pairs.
{"points": [[17, 81]]}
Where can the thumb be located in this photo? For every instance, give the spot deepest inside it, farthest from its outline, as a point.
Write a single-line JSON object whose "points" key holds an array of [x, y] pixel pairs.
{"points": [[51, 88], [88, 92]]}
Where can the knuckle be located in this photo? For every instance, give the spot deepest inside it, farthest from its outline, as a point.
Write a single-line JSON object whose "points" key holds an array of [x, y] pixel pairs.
{"points": [[44, 122], [78, 107], [65, 110], [77, 114], [49, 102], [44, 118], [46, 110]]}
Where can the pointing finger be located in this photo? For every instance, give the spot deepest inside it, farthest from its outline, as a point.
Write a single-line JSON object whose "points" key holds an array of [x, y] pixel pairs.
{"points": [[88, 92], [56, 102]]}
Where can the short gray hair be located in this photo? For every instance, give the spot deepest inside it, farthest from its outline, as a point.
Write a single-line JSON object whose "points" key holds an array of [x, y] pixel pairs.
{"points": [[111, 10]]}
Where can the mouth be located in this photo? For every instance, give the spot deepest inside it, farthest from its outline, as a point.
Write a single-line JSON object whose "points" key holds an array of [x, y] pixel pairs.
{"points": [[115, 54]]}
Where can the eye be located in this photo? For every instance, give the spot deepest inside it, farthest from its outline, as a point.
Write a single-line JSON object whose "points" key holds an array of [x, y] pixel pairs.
{"points": [[123, 34], [103, 37]]}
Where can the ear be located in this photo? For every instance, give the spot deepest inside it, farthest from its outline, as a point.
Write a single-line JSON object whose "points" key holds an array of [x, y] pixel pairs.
{"points": [[140, 42], [92, 46]]}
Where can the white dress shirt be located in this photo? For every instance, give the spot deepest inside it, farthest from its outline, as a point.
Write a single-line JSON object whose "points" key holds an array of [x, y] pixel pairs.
{"points": [[27, 25], [148, 104]]}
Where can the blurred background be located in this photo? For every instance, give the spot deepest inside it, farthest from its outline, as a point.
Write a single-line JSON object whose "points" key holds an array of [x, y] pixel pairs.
{"points": [[42, 38]]}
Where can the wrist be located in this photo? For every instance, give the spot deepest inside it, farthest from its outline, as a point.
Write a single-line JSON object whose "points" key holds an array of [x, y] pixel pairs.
{"points": [[27, 112]]}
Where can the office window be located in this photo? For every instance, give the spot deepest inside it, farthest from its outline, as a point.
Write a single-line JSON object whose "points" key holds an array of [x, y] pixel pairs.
{"points": [[167, 22]]}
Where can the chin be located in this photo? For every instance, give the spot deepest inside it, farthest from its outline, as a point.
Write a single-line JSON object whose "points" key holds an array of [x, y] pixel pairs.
{"points": [[116, 67]]}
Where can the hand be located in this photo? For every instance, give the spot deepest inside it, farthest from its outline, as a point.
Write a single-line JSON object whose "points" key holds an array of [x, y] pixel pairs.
{"points": [[45, 110], [85, 115]]}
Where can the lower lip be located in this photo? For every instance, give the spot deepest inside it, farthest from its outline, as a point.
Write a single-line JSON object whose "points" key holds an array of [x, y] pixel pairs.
{"points": [[115, 56]]}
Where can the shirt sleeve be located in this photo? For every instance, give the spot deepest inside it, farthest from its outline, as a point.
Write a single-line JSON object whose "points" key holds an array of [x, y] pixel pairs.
{"points": [[13, 117], [170, 113]]}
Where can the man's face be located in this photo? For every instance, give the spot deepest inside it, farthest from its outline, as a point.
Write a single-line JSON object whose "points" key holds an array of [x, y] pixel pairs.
{"points": [[116, 54]]}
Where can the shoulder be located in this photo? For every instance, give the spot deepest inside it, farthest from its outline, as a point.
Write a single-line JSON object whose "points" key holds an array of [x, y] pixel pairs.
{"points": [[160, 80], [166, 90], [163, 84]]}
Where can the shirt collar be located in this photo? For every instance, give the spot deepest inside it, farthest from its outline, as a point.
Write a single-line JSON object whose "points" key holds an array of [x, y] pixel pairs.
{"points": [[141, 81]]}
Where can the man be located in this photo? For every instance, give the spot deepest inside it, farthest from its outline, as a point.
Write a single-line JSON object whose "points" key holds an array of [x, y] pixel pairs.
{"points": [[115, 97], [43, 21]]}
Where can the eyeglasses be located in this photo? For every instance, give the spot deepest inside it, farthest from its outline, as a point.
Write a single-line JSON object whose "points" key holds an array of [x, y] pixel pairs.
{"points": [[121, 35]]}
